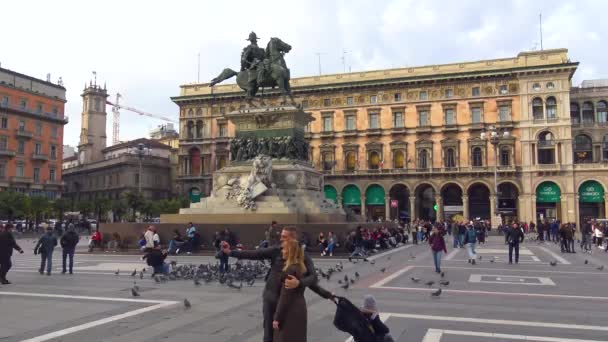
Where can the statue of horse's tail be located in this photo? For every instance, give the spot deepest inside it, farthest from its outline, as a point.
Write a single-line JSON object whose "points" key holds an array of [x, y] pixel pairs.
{"points": [[224, 75]]}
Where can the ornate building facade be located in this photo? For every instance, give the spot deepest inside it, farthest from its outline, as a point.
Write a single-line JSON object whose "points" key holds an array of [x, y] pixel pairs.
{"points": [[480, 139]]}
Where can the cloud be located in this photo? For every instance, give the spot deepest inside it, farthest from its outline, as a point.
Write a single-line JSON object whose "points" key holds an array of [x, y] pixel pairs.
{"points": [[146, 51]]}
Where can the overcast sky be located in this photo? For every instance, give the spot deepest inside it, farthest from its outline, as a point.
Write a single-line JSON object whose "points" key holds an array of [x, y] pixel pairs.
{"points": [[146, 49]]}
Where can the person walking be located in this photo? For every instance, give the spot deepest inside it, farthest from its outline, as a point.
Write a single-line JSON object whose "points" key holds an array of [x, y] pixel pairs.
{"points": [[7, 244], [462, 229], [290, 316], [438, 246], [45, 247], [68, 243], [586, 232], [454, 229], [274, 278], [470, 239], [514, 237]]}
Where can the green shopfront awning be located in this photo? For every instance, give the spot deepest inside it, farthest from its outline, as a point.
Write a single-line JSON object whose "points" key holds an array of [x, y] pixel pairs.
{"points": [[331, 193], [351, 196], [591, 192], [374, 195], [548, 192]]}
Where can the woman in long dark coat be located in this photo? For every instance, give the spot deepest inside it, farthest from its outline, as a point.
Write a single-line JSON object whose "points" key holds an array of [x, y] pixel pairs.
{"points": [[290, 317]]}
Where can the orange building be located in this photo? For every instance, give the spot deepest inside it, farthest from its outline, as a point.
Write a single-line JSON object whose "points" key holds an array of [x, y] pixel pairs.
{"points": [[31, 134]]}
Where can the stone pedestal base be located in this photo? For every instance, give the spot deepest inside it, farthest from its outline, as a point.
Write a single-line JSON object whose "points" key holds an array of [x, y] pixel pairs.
{"points": [[296, 196]]}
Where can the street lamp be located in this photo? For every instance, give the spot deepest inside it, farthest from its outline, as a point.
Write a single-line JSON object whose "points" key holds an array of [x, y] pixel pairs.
{"points": [[140, 154], [494, 139]]}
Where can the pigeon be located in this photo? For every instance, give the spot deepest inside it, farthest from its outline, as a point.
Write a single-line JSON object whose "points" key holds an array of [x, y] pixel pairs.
{"points": [[492, 260], [134, 292], [388, 257], [143, 270], [251, 282], [117, 272], [416, 280], [479, 257], [197, 282], [345, 277], [134, 273], [157, 279], [372, 262], [135, 286], [601, 268], [586, 261], [345, 286], [365, 260], [339, 281], [352, 281], [429, 283], [444, 283], [141, 275], [187, 304], [436, 293], [383, 270], [350, 259], [442, 274], [357, 275], [553, 263], [235, 286]]}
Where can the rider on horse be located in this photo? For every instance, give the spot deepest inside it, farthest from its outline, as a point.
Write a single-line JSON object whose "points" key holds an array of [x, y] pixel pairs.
{"points": [[252, 59]]}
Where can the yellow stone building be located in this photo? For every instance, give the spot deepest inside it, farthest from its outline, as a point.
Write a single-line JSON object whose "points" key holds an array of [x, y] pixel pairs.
{"points": [[483, 139]]}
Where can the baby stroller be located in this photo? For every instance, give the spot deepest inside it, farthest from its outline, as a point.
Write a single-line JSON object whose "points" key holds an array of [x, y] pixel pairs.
{"points": [[350, 319]]}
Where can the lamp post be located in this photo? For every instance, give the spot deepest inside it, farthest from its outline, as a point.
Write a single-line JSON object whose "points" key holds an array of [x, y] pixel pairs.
{"points": [[140, 154], [494, 139]]}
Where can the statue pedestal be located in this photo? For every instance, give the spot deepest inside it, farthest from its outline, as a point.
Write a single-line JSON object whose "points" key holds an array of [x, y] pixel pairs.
{"points": [[294, 189]]}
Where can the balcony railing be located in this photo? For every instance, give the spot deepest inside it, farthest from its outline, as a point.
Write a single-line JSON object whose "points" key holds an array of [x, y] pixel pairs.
{"points": [[22, 180], [40, 156], [54, 183], [7, 153], [54, 116], [24, 134]]}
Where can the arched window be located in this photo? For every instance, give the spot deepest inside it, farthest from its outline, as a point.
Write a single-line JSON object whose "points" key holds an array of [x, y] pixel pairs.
{"points": [[423, 159], [190, 130], [477, 160], [374, 160], [583, 149], [551, 108], [575, 114], [602, 112], [588, 113], [505, 156], [605, 147], [450, 158], [199, 128], [328, 161], [398, 159], [537, 108], [351, 161], [546, 148]]}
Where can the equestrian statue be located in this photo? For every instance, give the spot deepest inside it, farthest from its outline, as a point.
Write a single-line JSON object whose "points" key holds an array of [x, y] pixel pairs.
{"points": [[261, 69]]}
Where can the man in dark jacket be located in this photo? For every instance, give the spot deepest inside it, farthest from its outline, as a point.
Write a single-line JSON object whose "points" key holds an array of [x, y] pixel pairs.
{"points": [[68, 242], [515, 236], [272, 289], [7, 244], [45, 247]]}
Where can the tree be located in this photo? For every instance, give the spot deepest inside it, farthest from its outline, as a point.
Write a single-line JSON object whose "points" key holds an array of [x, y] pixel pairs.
{"points": [[14, 204], [40, 205], [101, 206], [135, 200], [85, 207], [59, 207], [118, 209]]}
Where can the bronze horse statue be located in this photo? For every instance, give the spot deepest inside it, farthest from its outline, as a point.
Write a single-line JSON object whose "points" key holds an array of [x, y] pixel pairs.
{"points": [[276, 73]]}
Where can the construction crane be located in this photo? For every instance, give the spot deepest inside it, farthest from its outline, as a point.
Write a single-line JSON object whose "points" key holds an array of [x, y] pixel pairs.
{"points": [[116, 107]]}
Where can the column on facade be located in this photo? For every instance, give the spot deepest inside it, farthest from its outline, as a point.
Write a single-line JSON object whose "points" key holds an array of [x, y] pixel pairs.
{"points": [[387, 207], [363, 212], [412, 208], [439, 203], [605, 204], [339, 200], [465, 206], [533, 213], [202, 167]]}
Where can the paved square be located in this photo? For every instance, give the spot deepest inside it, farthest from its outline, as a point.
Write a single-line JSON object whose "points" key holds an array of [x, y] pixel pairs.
{"points": [[489, 301]]}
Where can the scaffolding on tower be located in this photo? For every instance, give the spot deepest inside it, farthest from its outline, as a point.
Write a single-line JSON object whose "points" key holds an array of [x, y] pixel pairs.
{"points": [[116, 107]]}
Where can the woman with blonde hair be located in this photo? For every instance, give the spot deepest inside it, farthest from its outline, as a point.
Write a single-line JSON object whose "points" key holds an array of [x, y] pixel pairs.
{"points": [[290, 317]]}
